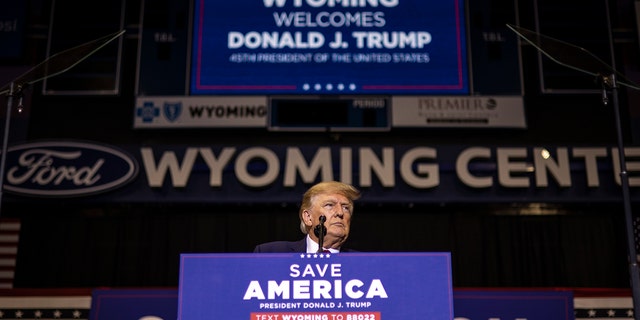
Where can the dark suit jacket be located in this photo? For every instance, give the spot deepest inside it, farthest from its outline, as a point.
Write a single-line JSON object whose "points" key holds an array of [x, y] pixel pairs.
{"points": [[287, 246]]}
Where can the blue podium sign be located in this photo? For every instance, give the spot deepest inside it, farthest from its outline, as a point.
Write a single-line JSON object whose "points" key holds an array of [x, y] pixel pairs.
{"points": [[514, 304], [149, 304], [345, 286]]}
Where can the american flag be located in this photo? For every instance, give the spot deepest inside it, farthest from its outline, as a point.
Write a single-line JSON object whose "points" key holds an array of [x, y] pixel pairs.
{"points": [[601, 308], [44, 304], [43, 313], [9, 238]]}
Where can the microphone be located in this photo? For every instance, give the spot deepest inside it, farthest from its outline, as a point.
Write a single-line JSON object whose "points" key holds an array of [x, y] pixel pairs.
{"points": [[320, 230]]}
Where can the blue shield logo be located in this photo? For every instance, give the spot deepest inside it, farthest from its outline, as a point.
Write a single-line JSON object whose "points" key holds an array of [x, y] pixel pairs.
{"points": [[172, 111]]}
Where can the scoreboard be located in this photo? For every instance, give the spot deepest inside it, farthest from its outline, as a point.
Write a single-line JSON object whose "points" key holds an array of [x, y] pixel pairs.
{"points": [[328, 64]]}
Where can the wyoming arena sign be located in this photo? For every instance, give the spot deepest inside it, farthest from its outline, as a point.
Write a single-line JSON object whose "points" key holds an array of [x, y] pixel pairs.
{"points": [[280, 173]]}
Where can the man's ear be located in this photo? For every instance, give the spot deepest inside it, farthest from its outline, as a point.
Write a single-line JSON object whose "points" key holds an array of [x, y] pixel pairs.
{"points": [[307, 217]]}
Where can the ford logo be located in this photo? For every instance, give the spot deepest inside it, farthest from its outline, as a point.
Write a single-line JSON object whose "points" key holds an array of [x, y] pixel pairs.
{"points": [[66, 169]]}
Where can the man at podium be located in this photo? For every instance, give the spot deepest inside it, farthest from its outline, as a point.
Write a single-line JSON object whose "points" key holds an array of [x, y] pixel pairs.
{"points": [[291, 280], [325, 217]]}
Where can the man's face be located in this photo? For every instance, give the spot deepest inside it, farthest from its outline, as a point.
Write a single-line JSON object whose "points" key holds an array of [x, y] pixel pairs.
{"points": [[337, 209]]}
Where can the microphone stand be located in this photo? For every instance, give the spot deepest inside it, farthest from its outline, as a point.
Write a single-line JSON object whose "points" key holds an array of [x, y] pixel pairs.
{"points": [[13, 92], [320, 231], [609, 82], [579, 59], [52, 66]]}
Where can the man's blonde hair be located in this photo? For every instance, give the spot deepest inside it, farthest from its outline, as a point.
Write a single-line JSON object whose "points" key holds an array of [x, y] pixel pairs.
{"points": [[346, 190]]}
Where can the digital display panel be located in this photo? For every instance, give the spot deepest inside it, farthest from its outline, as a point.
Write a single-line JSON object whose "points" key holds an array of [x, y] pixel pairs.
{"points": [[373, 64], [329, 46]]}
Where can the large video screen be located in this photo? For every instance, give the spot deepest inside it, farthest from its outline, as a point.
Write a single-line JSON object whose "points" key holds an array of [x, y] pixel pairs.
{"points": [[329, 47], [287, 64]]}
